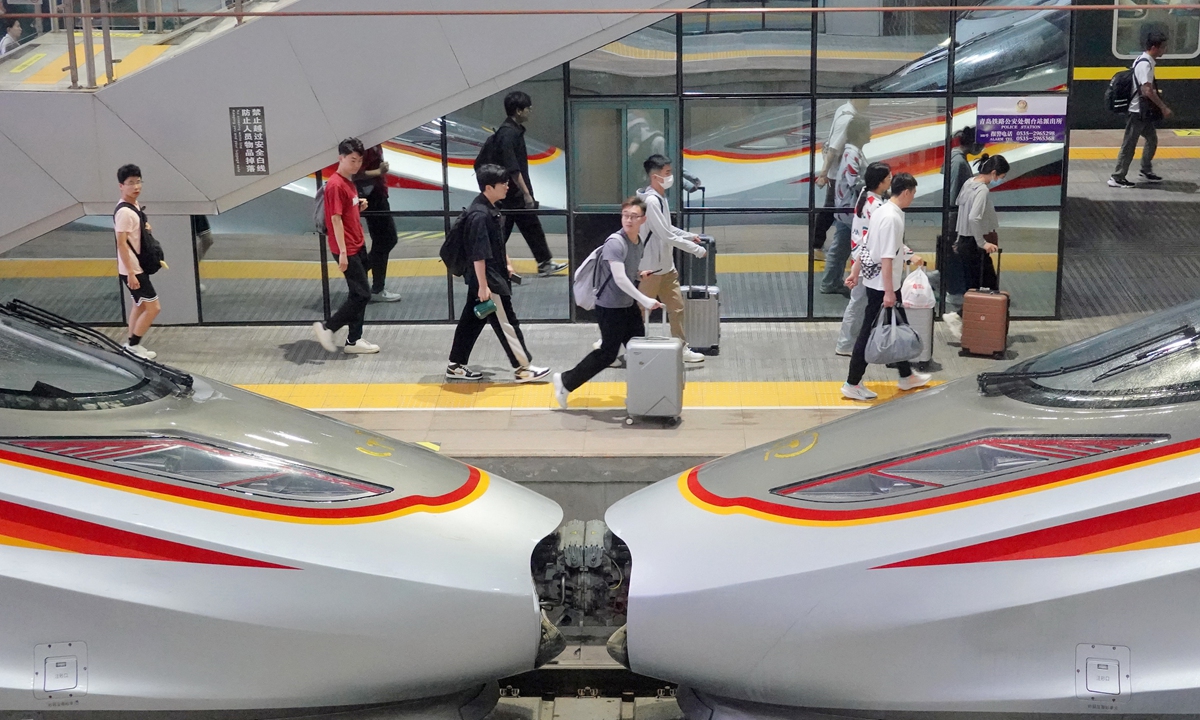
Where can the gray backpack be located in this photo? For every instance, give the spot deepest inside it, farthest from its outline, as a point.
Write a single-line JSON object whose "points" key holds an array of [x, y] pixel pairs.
{"points": [[319, 210]]}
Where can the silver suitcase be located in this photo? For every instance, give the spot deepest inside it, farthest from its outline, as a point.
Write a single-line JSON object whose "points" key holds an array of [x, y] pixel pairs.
{"points": [[654, 378], [921, 320], [702, 318]]}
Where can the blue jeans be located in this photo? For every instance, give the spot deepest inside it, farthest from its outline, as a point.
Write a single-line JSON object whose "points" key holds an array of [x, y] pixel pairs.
{"points": [[836, 255]]}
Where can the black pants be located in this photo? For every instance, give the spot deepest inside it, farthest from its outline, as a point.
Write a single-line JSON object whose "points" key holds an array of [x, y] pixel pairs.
{"points": [[503, 321], [977, 268], [824, 220], [530, 226], [355, 307], [858, 359], [383, 238], [617, 327]]}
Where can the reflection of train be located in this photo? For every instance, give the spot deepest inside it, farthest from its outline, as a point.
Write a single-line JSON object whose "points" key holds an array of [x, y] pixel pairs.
{"points": [[1020, 546], [170, 543]]}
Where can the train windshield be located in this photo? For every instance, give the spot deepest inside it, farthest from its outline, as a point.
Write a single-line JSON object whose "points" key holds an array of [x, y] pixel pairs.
{"points": [[1155, 361]]}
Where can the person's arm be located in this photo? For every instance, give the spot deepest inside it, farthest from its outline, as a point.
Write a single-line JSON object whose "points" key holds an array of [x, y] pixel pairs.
{"points": [[339, 235], [128, 259], [1148, 91], [485, 292], [852, 278], [885, 276], [622, 281], [508, 155], [889, 245]]}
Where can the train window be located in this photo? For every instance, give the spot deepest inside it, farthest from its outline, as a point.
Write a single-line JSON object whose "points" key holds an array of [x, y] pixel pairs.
{"points": [[220, 468], [1135, 18], [978, 459]]}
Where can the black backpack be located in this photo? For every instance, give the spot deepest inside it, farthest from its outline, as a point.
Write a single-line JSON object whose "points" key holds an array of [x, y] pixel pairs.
{"points": [[454, 248], [490, 152], [1119, 93], [151, 258]]}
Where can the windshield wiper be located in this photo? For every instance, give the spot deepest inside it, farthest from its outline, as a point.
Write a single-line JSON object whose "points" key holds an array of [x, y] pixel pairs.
{"points": [[1149, 356], [44, 318], [989, 381]]}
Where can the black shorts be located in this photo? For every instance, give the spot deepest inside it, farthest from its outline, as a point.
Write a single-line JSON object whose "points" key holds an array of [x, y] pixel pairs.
{"points": [[145, 289]]}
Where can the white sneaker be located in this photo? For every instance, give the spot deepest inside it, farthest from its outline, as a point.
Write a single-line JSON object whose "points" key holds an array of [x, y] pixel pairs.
{"points": [[915, 380], [691, 356], [324, 336], [140, 350], [596, 345], [462, 372], [340, 335], [560, 390], [857, 392], [843, 353], [954, 325], [533, 373], [386, 296], [360, 347]]}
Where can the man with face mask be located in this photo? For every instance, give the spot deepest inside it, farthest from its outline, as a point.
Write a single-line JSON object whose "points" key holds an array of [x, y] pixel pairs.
{"points": [[659, 278]]}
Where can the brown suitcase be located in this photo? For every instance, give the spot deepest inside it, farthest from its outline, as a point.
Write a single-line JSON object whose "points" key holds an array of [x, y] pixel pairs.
{"points": [[985, 321]]}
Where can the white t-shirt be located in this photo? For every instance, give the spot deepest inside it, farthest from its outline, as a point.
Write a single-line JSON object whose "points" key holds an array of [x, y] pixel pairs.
{"points": [[8, 44], [886, 240], [836, 143], [1143, 72], [128, 221]]}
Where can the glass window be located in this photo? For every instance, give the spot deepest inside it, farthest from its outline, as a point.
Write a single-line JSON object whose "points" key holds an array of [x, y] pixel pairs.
{"points": [[598, 147], [31, 356], [642, 63], [747, 53], [1136, 18], [762, 262], [540, 298], [414, 270], [1011, 51], [747, 153], [1035, 170], [882, 51], [71, 271], [1029, 265], [414, 161]]}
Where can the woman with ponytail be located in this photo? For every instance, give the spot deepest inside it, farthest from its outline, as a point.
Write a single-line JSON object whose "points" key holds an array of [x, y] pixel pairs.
{"points": [[977, 222]]}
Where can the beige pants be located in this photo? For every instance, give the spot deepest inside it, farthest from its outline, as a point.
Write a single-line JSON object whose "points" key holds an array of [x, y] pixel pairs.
{"points": [[665, 289]]}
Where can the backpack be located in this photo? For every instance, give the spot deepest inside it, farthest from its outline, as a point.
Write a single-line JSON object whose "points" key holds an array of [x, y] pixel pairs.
{"points": [[488, 154], [319, 210], [1119, 93], [151, 258], [586, 287], [454, 248]]}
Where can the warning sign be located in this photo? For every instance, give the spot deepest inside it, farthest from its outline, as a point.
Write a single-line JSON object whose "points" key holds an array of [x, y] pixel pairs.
{"points": [[248, 126]]}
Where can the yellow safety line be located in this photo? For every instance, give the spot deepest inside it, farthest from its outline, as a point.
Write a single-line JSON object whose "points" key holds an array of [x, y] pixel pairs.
{"points": [[629, 51], [1161, 72], [50, 74], [27, 63], [139, 58], [1105, 153], [468, 395]]}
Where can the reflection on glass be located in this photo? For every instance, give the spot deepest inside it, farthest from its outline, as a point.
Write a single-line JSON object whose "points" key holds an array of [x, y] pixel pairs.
{"points": [[1029, 269], [1035, 174], [745, 53], [747, 153], [639, 64], [1012, 51], [538, 298], [414, 270], [907, 134], [762, 265], [415, 166], [1136, 18], [71, 271], [882, 51], [598, 148]]}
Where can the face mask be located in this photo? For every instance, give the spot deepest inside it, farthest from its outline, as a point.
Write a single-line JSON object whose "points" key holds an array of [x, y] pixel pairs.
{"points": [[667, 181], [996, 182]]}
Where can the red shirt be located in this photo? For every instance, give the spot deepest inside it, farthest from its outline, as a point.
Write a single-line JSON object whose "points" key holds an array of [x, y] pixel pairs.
{"points": [[341, 198]]}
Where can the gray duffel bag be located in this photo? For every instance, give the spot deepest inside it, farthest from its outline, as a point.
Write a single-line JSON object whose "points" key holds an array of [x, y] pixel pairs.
{"points": [[892, 342]]}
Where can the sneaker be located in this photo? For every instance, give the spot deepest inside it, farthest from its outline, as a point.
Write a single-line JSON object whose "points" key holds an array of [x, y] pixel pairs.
{"points": [[818, 255], [915, 380], [454, 371], [1151, 177], [560, 391], [324, 336], [550, 267], [203, 288], [140, 350], [1116, 182], [340, 335], [857, 392], [691, 356], [843, 353], [843, 291], [596, 345], [533, 373], [360, 347], [385, 296]]}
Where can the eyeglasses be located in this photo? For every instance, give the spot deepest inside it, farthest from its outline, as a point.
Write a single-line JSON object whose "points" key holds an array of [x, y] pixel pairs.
{"points": [[632, 216], [132, 183]]}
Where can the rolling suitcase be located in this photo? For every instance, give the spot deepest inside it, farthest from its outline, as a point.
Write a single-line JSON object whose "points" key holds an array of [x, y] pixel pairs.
{"points": [[985, 320], [702, 300], [654, 378]]}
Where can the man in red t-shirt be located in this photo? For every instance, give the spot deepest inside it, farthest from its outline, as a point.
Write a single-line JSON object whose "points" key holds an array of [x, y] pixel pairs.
{"points": [[345, 235]]}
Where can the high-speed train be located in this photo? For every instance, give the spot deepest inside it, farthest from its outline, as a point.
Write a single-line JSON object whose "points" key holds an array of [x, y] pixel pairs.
{"points": [[1020, 545], [172, 544]]}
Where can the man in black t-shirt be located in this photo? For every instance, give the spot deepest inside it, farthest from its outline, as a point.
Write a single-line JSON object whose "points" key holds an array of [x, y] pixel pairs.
{"points": [[488, 279], [513, 156]]}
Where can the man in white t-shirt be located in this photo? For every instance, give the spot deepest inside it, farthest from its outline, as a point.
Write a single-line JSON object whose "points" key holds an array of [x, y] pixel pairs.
{"points": [[127, 223], [831, 155], [881, 274], [1146, 109]]}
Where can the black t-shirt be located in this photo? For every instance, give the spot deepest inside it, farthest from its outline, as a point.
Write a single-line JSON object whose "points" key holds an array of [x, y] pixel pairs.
{"points": [[514, 157], [485, 241]]}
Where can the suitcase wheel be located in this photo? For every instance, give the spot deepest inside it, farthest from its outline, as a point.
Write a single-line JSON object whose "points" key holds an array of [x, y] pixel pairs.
{"points": [[629, 420], [672, 422]]}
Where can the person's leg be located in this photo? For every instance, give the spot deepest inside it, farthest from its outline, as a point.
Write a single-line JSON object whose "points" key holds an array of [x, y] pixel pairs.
{"points": [[360, 295], [148, 310], [671, 296], [504, 323], [1133, 130], [987, 269], [468, 329], [835, 259], [968, 253], [858, 358], [1150, 132], [852, 320], [613, 327], [530, 226], [382, 229], [824, 220]]}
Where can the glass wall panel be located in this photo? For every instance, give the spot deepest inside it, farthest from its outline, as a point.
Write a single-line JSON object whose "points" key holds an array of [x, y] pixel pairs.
{"points": [[639, 64], [1135, 20], [415, 168], [1011, 51], [1029, 267], [747, 53], [747, 153], [71, 271], [1035, 174], [762, 262], [414, 270], [598, 147], [908, 134], [882, 51], [540, 298]]}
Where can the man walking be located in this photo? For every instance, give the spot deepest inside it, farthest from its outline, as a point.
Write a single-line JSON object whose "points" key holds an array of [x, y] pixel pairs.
{"points": [[511, 153], [372, 185], [128, 221], [1146, 110], [831, 155], [488, 279], [343, 224]]}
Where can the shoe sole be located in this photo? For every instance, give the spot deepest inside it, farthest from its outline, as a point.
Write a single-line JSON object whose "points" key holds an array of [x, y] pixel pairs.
{"points": [[694, 362], [321, 341], [1118, 186], [914, 387], [360, 352], [1146, 179], [843, 354], [460, 377], [549, 273], [533, 378], [376, 299]]}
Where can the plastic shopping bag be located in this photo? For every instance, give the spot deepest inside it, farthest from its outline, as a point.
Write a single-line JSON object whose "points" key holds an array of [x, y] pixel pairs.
{"points": [[916, 290], [892, 342]]}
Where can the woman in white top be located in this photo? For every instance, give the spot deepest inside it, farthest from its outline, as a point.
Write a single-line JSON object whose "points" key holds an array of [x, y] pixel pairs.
{"points": [[11, 38], [978, 225], [876, 180]]}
